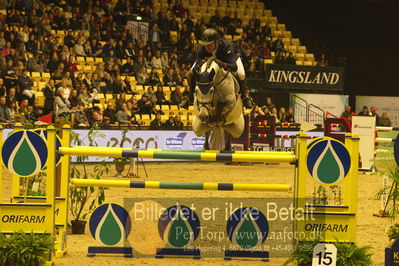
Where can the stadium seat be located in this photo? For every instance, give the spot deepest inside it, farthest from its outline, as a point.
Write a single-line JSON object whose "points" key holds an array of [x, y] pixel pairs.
{"points": [[300, 56], [309, 57], [299, 62], [80, 59], [145, 117], [308, 63], [302, 49], [281, 27]]}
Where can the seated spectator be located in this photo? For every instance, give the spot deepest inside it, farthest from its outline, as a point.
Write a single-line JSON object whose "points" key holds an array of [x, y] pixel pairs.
{"points": [[165, 60], [384, 120], [237, 22], [177, 77], [25, 85], [278, 45], [247, 100], [110, 113], [62, 104], [66, 89], [9, 75], [3, 89], [147, 59], [216, 20], [96, 119], [4, 115], [11, 96], [168, 77], [128, 67], [156, 124], [122, 116], [282, 116], [280, 59], [176, 96], [178, 123], [264, 51], [81, 119], [160, 95], [11, 111], [129, 51], [156, 61], [322, 62], [135, 106], [142, 77], [37, 110], [266, 30], [365, 111], [145, 105], [73, 100], [274, 113], [78, 48], [347, 113], [289, 117], [290, 60], [119, 85], [72, 64], [265, 110], [23, 106], [169, 124], [269, 103], [185, 100], [154, 78]]}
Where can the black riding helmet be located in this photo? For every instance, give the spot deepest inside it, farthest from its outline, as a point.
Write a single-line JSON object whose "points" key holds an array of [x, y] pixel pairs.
{"points": [[209, 36]]}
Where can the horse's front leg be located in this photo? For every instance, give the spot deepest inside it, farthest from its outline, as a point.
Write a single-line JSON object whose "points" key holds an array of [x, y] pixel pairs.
{"points": [[200, 128]]}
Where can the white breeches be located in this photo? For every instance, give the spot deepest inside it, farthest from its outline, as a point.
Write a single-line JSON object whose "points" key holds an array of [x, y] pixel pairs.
{"points": [[240, 69]]}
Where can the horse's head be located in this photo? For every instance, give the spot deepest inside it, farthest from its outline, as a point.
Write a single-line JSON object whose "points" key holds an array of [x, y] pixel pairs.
{"points": [[205, 90]]}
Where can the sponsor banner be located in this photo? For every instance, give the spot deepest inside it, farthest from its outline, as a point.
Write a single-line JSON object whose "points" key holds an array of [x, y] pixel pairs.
{"points": [[140, 140], [281, 144], [304, 77], [146, 139], [364, 127], [390, 105], [332, 103]]}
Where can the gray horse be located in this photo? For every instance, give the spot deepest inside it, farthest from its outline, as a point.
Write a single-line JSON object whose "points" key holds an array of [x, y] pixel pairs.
{"points": [[217, 105]]}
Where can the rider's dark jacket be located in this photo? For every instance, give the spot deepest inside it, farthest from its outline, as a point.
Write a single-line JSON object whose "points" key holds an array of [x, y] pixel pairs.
{"points": [[226, 51]]}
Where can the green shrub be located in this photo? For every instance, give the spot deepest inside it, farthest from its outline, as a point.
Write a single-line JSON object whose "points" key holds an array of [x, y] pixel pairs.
{"points": [[23, 249], [347, 254]]}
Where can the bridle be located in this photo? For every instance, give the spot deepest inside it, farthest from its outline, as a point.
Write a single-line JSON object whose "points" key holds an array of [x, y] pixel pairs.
{"points": [[212, 101]]}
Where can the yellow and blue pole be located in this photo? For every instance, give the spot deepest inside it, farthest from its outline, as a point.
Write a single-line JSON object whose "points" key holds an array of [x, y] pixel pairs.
{"points": [[182, 185], [198, 156]]}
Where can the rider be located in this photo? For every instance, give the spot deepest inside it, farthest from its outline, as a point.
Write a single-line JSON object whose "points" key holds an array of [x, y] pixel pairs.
{"points": [[227, 55]]}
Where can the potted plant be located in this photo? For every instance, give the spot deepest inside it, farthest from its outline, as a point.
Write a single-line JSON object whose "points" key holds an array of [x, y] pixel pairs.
{"points": [[392, 192], [347, 254], [25, 249], [121, 162], [83, 200]]}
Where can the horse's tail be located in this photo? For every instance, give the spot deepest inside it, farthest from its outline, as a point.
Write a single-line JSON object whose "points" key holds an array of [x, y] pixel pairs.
{"points": [[217, 139]]}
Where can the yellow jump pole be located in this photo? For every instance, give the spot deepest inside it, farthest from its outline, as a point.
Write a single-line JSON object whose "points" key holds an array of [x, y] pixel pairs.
{"points": [[199, 156], [183, 185]]}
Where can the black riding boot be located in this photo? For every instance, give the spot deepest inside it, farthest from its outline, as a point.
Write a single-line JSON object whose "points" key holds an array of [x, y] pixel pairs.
{"points": [[243, 86]]}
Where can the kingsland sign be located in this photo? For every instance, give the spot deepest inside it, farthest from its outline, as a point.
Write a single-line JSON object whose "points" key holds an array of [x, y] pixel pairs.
{"points": [[302, 77]]}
